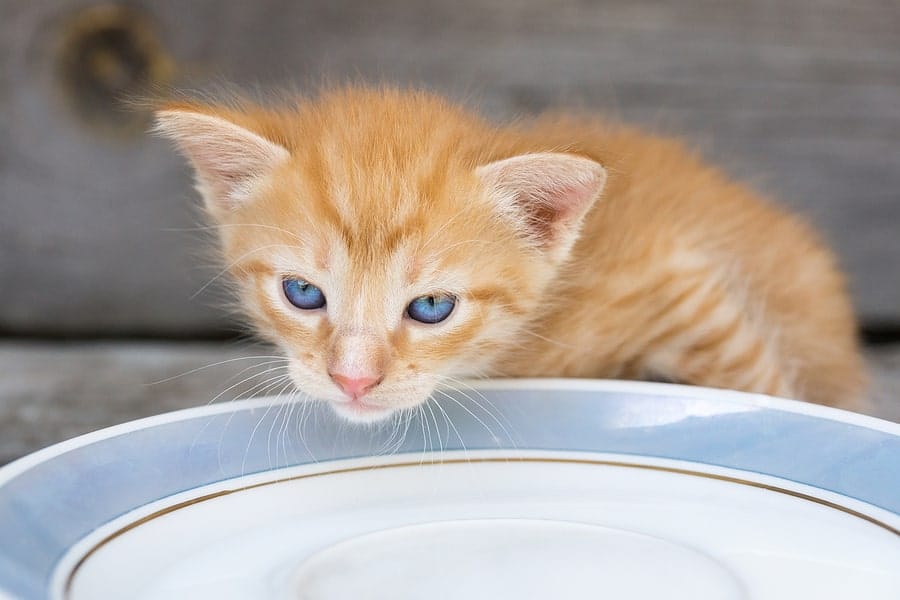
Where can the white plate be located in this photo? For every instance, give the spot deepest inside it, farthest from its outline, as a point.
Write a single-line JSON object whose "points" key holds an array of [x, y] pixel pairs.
{"points": [[565, 489]]}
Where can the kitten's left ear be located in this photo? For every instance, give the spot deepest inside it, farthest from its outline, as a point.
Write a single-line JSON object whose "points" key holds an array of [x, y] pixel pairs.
{"points": [[227, 158], [546, 194]]}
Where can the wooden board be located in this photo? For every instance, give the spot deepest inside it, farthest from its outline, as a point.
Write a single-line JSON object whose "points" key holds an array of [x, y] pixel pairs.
{"points": [[800, 98]]}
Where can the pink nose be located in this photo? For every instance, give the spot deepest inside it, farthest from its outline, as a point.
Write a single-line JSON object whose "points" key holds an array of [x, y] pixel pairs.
{"points": [[355, 387]]}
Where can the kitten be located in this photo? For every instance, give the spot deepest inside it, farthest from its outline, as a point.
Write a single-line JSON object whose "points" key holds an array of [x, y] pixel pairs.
{"points": [[388, 240]]}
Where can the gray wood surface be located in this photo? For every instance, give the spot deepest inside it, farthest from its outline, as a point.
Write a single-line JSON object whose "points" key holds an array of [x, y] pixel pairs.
{"points": [[52, 392], [800, 98]]}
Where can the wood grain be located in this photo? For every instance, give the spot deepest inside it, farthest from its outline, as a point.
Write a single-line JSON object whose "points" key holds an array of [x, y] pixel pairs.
{"points": [[800, 98]]}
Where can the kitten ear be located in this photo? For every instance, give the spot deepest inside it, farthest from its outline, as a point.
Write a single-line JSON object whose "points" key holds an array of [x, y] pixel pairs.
{"points": [[547, 194], [227, 158]]}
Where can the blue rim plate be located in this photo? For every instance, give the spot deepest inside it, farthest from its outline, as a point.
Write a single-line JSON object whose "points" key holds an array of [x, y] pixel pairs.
{"points": [[55, 499]]}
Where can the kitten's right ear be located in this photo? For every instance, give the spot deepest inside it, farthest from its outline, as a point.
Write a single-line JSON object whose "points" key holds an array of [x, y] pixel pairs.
{"points": [[227, 159], [545, 194]]}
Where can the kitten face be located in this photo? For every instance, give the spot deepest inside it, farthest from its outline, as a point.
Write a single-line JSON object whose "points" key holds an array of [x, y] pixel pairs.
{"points": [[369, 271], [333, 234]]}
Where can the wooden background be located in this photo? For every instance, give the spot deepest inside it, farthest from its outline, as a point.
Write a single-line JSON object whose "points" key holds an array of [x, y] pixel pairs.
{"points": [[800, 98]]}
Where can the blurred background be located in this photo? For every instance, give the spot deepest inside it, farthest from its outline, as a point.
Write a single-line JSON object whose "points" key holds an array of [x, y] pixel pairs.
{"points": [[102, 270]]}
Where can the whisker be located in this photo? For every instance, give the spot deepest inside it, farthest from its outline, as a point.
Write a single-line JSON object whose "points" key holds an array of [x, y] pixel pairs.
{"points": [[444, 250], [264, 363], [455, 430], [437, 432], [473, 415], [386, 442], [250, 440], [428, 428], [276, 420], [548, 340], [396, 431], [226, 225], [446, 224], [463, 383], [420, 412], [307, 407], [288, 437], [236, 261], [210, 366], [282, 428], [393, 425], [231, 415], [255, 391], [252, 390], [506, 431], [408, 413]]}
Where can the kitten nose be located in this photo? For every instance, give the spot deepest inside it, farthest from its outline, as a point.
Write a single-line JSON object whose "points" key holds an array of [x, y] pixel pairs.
{"points": [[355, 387]]}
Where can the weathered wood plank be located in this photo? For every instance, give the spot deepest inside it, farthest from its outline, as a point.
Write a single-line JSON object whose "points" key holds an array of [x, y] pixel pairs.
{"points": [[800, 98]]}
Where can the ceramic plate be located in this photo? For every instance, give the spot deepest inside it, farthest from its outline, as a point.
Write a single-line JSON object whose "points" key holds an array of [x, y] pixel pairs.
{"points": [[512, 489]]}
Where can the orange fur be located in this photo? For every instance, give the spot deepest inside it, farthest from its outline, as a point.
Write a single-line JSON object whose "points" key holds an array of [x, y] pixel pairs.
{"points": [[386, 195]]}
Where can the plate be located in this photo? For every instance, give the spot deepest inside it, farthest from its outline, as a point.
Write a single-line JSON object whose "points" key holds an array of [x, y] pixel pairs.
{"points": [[502, 489]]}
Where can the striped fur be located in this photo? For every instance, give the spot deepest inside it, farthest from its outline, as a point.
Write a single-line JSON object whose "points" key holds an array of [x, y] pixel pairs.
{"points": [[674, 272]]}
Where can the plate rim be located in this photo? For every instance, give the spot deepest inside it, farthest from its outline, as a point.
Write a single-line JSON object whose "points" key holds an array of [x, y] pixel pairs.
{"points": [[67, 568], [875, 434], [15, 468]]}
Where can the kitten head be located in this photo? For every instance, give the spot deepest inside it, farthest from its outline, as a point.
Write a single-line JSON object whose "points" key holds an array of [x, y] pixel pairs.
{"points": [[385, 240]]}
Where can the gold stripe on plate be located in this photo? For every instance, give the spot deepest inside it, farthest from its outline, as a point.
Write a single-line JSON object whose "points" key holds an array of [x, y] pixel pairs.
{"points": [[579, 461]]}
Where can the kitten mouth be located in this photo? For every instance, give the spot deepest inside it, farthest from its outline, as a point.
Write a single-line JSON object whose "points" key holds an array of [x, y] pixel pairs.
{"points": [[361, 411]]}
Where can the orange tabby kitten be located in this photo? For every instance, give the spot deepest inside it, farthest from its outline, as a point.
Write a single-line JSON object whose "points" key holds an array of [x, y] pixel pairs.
{"points": [[387, 240]]}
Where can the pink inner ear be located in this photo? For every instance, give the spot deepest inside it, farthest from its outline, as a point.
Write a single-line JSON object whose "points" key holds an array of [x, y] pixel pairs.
{"points": [[568, 200], [225, 156], [550, 192]]}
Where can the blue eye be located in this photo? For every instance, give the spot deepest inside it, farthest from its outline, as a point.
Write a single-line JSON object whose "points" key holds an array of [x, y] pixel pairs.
{"points": [[431, 309], [302, 294]]}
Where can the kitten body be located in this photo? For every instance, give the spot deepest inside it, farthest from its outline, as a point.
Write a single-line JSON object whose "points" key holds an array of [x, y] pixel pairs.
{"points": [[572, 247]]}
